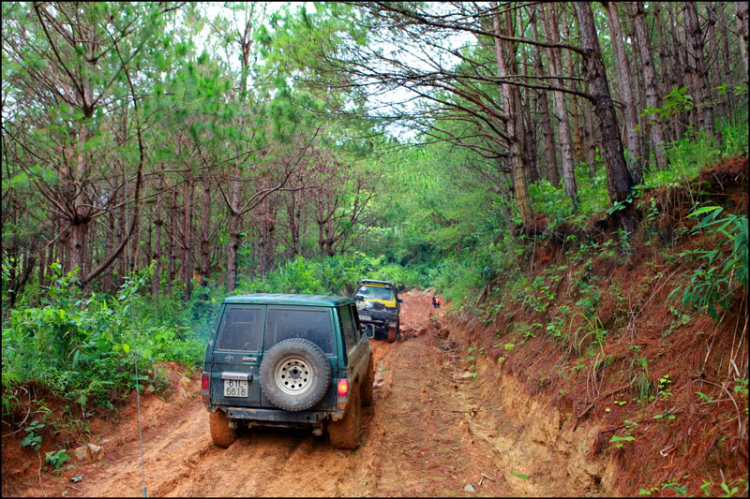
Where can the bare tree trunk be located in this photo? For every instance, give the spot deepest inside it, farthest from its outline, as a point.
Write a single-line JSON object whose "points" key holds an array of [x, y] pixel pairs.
{"points": [[158, 222], [713, 36], [652, 96], [567, 59], [549, 136], [206, 230], [42, 261], [187, 245], [122, 227], [50, 257], [591, 125], [741, 15], [697, 62], [619, 180], [109, 245], [666, 67], [233, 229], [135, 243], [677, 73], [509, 94], [173, 243], [638, 88], [529, 129], [726, 57], [563, 130], [623, 80]]}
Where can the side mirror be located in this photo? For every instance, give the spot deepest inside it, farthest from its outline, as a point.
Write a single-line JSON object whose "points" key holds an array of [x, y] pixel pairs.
{"points": [[399, 300]]}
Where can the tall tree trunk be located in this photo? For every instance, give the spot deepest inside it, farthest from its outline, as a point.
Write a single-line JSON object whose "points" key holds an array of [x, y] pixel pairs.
{"points": [[623, 80], [550, 156], [509, 94], [563, 130], [741, 15], [50, 257], [173, 243], [677, 72], [697, 61], [187, 239], [590, 137], [567, 60], [667, 69], [619, 180], [122, 225], [652, 96], [42, 261], [688, 69], [63, 245], [726, 57], [158, 222], [80, 222], [638, 88], [529, 129], [109, 245], [233, 225], [713, 36], [135, 243], [206, 230]]}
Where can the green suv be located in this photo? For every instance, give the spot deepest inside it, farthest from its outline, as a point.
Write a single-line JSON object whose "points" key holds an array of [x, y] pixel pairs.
{"points": [[287, 360]]}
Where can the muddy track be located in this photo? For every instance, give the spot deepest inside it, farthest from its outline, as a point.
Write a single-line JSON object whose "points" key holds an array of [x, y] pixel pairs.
{"points": [[427, 433]]}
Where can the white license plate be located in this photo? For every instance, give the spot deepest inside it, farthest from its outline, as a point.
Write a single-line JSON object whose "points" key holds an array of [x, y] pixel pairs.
{"points": [[235, 388], [364, 317]]}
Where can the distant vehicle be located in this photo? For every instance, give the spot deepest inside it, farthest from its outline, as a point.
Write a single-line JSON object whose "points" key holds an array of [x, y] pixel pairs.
{"points": [[287, 360], [379, 306], [435, 302]]}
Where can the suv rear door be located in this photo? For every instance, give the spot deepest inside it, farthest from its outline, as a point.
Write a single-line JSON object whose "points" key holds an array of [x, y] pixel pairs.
{"points": [[314, 324], [237, 356], [356, 344]]}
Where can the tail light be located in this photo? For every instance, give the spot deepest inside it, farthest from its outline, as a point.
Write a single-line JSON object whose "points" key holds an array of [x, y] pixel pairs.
{"points": [[205, 386], [342, 389]]}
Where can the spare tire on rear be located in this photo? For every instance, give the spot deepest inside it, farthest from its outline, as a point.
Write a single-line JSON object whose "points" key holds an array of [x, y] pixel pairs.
{"points": [[295, 374]]}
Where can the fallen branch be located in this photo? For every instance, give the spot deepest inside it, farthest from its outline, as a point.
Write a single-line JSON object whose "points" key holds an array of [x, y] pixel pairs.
{"points": [[475, 410], [483, 477]]}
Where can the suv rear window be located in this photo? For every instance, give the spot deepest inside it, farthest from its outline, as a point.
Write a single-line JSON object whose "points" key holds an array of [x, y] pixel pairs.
{"points": [[241, 329], [311, 325]]}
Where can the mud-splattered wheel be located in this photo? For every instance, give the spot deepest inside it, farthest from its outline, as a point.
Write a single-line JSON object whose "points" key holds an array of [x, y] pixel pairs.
{"points": [[344, 434], [366, 391], [221, 433]]}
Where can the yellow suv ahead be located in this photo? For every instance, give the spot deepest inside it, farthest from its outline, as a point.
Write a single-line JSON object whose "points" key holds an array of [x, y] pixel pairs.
{"points": [[378, 307]]}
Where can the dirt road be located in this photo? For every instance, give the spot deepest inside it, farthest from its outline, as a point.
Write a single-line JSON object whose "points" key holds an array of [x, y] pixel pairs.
{"points": [[428, 433]]}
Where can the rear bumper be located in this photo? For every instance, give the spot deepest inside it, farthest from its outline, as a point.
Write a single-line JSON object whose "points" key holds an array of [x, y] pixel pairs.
{"points": [[272, 416]]}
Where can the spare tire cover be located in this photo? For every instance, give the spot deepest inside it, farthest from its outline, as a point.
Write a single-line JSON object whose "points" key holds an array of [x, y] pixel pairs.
{"points": [[295, 374]]}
